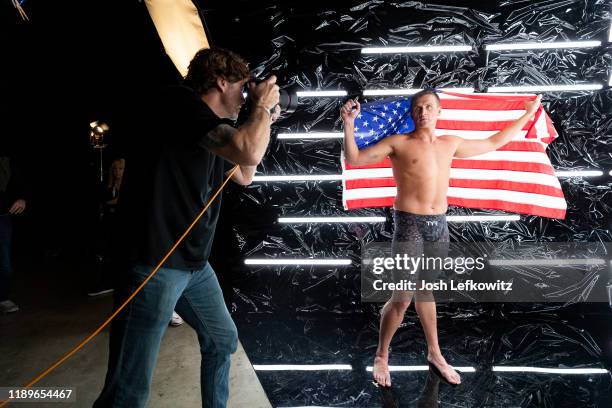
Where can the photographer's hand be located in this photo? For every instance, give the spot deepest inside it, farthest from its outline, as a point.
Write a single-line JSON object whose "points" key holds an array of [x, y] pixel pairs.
{"points": [[247, 144], [265, 94]]}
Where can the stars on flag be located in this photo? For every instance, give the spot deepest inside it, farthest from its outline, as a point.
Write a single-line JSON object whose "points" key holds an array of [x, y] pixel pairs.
{"points": [[380, 119]]}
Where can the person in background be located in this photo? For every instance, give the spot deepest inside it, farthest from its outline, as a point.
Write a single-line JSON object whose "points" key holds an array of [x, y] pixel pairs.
{"points": [[107, 230], [113, 186], [12, 203]]}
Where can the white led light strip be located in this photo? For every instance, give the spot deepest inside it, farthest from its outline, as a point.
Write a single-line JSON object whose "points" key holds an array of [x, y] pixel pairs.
{"points": [[509, 369], [410, 91], [579, 173], [308, 94], [547, 262], [545, 88], [297, 261], [468, 218], [348, 219], [298, 220], [300, 367], [313, 135], [542, 46], [423, 368], [506, 369], [416, 50], [338, 177], [305, 177], [493, 89]]}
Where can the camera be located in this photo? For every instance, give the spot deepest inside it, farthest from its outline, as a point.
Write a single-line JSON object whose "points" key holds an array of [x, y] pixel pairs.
{"points": [[288, 100]]}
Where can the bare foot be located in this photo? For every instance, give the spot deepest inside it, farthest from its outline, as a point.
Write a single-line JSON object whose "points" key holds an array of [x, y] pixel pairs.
{"points": [[381, 371], [447, 372]]}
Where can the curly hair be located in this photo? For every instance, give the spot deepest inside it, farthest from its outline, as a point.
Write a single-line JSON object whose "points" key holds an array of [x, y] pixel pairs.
{"points": [[208, 64]]}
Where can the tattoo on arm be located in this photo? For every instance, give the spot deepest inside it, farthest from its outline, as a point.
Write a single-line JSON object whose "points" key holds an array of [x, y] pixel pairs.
{"points": [[218, 137]]}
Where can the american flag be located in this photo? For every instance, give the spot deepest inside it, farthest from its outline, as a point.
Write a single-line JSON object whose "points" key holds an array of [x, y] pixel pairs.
{"points": [[518, 177]]}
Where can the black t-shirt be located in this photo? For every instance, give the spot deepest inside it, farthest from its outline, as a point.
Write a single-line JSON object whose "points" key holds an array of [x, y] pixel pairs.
{"points": [[169, 177]]}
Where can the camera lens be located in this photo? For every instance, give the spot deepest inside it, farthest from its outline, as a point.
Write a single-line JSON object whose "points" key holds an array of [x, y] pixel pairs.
{"points": [[288, 101]]}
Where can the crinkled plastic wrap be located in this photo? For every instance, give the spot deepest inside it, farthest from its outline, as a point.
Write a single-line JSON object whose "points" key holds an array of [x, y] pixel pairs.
{"points": [[316, 46], [480, 340]]}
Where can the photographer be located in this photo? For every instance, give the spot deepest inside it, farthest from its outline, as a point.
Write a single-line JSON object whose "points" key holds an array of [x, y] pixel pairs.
{"points": [[185, 144]]}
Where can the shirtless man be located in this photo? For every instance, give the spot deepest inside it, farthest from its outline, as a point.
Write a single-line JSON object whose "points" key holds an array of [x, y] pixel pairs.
{"points": [[421, 164]]}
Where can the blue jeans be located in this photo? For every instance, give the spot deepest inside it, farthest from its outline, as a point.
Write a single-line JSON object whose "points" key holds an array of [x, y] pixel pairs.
{"points": [[5, 256], [136, 334]]}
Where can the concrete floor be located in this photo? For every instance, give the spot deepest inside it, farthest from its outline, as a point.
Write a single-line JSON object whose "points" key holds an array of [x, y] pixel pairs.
{"points": [[56, 317]]}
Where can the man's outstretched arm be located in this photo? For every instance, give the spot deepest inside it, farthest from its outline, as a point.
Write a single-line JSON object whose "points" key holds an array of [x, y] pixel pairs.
{"points": [[469, 148]]}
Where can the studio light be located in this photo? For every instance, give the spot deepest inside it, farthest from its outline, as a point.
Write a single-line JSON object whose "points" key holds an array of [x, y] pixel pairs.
{"points": [[422, 368], [546, 262], [313, 135], [98, 130], [297, 261], [301, 220], [416, 50], [507, 369], [309, 94], [349, 219], [481, 218], [383, 172], [542, 45], [545, 88], [305, 177], [410, 91], [543, 370], [301, 367], [579, 173]]}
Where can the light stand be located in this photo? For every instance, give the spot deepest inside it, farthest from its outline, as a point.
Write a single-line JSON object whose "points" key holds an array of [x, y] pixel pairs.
{"points": [[96, 138], [98, 130]]}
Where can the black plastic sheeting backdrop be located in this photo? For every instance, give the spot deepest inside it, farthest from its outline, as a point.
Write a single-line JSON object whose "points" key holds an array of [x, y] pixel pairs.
{"points": [[317, 46]]}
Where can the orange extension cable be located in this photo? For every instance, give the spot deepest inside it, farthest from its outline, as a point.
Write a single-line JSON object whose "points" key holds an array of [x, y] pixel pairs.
{"points": [[103, 325]]}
